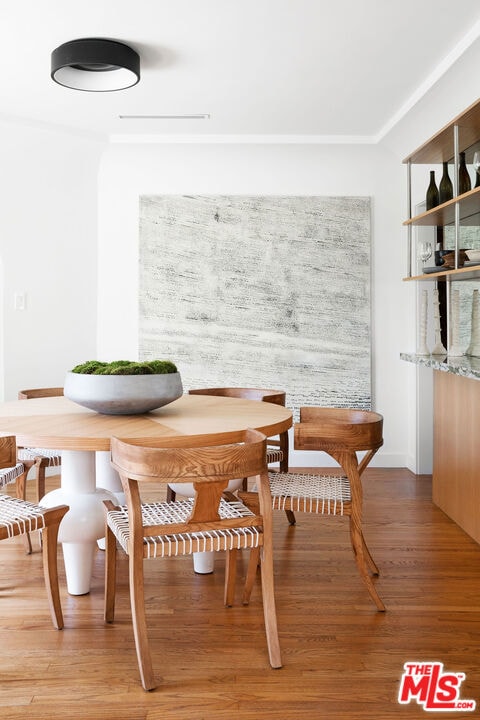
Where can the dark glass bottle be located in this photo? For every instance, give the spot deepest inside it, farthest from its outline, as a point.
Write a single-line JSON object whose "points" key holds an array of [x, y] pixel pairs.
{"points": [[432, 192], [464, 182], [445, 189]]}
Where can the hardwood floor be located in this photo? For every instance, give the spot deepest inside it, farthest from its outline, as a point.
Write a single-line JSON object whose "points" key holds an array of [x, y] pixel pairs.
{"points": [[342, 659]]}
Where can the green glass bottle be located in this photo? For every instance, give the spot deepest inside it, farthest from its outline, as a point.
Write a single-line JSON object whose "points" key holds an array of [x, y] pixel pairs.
{"points": [[464, 182], [445, 189], [432, 192]]}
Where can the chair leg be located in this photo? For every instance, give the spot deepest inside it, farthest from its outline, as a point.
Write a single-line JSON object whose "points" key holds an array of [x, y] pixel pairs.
{"points": [[366, 553], [40, 481], [253, 562], [110, 575], [21, 486], [269, 610], [170, 494], [284, 469], [21, 492], [137, 601], [50, 569], [370, 561], [358, 544], [230, 576]]}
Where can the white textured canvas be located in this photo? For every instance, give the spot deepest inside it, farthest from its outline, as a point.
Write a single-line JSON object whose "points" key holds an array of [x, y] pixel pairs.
{"points": [[268, 291]]}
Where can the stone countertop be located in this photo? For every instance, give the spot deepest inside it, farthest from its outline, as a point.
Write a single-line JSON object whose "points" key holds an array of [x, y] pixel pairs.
{"points": [[465, 365]]}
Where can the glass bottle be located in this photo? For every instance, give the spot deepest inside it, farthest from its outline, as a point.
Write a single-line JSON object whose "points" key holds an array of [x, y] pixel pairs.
{"points": [[464, 182], [432, 192], [445, 189]]}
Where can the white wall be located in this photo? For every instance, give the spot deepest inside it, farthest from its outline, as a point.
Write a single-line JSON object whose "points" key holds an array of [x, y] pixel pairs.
{"points": [[127, 171], [48, 249]]}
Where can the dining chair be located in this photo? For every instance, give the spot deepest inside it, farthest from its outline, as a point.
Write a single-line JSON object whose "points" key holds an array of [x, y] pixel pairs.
{"points": [[277, 447], [19, 517], [205, 523], [38, 458], [341, 433]]}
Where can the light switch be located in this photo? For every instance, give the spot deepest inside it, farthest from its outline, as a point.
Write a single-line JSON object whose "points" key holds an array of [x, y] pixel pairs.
{"points": [[20, 301]]}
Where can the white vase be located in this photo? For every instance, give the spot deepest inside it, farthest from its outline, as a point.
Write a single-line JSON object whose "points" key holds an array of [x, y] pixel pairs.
{"points": [[422, 348], [454, 349], [439, 348], [474, 347]]}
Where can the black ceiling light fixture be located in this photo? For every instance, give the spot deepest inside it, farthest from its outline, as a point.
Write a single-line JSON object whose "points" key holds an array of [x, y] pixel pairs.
{"points": [[95, 65]]}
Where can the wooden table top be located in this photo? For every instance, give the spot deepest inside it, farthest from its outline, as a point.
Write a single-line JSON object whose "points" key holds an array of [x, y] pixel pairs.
{"points": [[59, 423]]}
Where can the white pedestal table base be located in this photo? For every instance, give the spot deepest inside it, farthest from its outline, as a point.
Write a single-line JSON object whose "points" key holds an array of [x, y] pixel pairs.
{"points": [[84, 523]]}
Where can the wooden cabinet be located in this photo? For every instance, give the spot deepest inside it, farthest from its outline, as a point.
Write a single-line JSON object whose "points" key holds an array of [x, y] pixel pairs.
{"points": [[456, 471]]}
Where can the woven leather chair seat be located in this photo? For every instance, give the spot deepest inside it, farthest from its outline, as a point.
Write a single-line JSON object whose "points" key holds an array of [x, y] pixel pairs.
{"points": [[324, 494], [52, 457], [274, 455], [8, 475], [17, 473], [19, 516], [184, 543]]}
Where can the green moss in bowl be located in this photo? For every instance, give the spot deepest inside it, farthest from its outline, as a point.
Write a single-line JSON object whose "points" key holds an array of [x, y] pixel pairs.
{"points": [[123, 387], [126, 367]]}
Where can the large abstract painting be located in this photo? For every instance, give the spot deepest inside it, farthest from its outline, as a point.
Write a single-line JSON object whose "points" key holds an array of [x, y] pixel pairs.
{"points": [[269, 291]]}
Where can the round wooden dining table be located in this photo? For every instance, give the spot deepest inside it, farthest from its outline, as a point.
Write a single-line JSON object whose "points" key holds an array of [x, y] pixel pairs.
{"points": [[87, 477]]}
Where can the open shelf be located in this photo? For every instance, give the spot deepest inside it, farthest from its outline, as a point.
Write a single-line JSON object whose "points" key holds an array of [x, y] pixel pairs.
{"points": [[445, 214], [464, 273]]}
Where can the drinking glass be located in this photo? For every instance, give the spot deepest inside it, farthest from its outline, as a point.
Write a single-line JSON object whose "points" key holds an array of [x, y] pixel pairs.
{"points": [[425, 251]]}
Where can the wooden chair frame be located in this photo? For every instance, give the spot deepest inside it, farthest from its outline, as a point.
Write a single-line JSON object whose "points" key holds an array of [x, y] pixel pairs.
{"points": [[209, 469], [341, 433]]}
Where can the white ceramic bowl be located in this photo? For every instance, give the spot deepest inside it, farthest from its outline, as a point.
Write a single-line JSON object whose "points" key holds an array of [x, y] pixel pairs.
{"points": [[123, 394]]}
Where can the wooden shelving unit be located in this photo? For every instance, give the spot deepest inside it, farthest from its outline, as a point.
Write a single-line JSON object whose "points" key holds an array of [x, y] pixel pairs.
{"points": [[456, 387], [462, 134]]}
